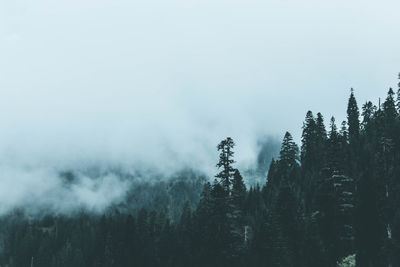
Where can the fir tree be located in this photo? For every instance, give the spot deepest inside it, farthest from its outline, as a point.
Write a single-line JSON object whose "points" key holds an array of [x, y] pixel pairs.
{"points": [[288, 161], [238, 190], [368, 111], [308, 140], [353, 118], [289, 153], [320, 128], [333, 148], [225, 162], [320, 142], [389, 108]]}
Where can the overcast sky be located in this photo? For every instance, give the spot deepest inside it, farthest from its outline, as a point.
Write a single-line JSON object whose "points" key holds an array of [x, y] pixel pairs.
{"points": [[163, 81]]}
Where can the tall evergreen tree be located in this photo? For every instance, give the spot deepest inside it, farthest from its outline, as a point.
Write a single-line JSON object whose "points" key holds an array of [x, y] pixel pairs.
{"points": [[389, 108], [353, 121], [225, 162], [353, 118], [320, 128], [238, 190], [320, 142], [288, 161], [333, 148], [368, 112], [308, 139], [289, 153]]}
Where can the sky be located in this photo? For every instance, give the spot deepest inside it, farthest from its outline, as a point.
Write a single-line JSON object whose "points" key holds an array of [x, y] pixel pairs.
{"points": [[144, 83]]}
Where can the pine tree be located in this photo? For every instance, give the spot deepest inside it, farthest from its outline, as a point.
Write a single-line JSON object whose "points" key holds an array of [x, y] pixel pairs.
{"points": [[320, 142], [225, 162], [320, 128], [353, 121], [334, 159], [308, 139], [353, 118], [289, 152], [238, 190], [368, 112], [288, 162], [389, 108]]}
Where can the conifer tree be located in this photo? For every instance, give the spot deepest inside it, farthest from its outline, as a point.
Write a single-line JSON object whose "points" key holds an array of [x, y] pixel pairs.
{"points": [[238, 190], [333, 149], [320, 142], [289, 152], [353, 118], [368, 111], [225, 162], [389, 108], [320, 128], [287, 171], [308, 140]]}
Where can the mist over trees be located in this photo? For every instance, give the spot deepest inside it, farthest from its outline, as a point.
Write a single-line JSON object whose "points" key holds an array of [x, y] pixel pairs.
{"points": [[332, 201]]}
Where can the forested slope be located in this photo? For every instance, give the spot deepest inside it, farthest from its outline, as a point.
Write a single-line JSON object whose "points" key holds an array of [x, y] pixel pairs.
{"points": [[334, 196]]}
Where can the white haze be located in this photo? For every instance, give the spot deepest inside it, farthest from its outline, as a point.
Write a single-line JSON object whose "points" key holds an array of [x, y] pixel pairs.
{"points": [[155, 85]]}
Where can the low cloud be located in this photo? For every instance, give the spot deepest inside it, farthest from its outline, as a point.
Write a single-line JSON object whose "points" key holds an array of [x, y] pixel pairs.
{"points": [[43, 190]]}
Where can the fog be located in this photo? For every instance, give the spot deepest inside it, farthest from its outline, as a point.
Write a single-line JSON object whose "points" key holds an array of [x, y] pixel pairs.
{"points": [[155, 85]]}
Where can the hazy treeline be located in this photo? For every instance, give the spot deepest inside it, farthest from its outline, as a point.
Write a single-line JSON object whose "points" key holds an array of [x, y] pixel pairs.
{"points": [[335, 196]]}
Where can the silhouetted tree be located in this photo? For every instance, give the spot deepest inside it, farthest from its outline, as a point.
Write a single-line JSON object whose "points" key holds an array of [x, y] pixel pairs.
{"points": [[353, 118], [225, 162]]}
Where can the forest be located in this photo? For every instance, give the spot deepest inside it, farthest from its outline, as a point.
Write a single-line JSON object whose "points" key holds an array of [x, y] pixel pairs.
{"points": [[332, 201]]}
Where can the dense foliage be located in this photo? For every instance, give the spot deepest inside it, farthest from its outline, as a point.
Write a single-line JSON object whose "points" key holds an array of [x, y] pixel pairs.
{"points": [[333, 201]]}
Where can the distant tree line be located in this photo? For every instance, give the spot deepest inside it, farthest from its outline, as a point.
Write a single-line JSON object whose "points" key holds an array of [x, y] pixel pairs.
{"points": [[336, 198]]}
